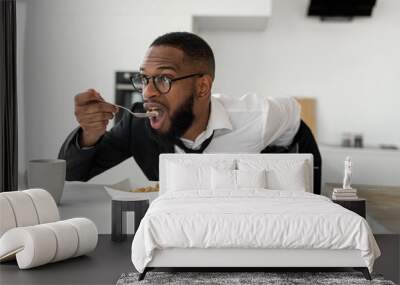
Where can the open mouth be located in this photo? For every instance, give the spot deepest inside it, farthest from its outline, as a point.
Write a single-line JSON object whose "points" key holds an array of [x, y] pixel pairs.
{"points": [[160, 114]]}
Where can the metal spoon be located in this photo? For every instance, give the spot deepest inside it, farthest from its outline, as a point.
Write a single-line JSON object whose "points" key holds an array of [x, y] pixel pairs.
{"points": [[138, 115]]}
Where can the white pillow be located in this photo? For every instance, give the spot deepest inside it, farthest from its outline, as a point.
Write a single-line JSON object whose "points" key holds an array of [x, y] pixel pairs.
{"points": [[185, 174], [225, 179], [287, 179], [251, 178], [281, 174]]}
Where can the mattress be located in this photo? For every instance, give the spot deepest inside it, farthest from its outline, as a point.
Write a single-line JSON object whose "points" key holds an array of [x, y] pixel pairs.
{"points": [[251, 219]]}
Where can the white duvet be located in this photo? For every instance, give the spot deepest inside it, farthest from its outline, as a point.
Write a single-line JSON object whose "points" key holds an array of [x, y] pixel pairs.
{"points": [[253, 218]]}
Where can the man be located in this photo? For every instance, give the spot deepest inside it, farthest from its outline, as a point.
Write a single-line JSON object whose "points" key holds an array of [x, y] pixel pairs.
{"points": [[176, 78]]}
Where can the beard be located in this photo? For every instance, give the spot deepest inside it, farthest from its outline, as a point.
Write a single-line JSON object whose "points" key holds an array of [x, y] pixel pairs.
{"points": [[181, 121]]}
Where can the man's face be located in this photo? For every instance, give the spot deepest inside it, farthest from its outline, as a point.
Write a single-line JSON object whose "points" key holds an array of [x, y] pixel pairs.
{"points": [[175, 108]]}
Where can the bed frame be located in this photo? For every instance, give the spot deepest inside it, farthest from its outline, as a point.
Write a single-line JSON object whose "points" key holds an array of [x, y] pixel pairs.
{"points": [[260, 259], [249, 259]]}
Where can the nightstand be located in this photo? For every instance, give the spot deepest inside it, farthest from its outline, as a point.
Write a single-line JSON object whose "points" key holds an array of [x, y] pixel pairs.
{"points": [[356, 205]]}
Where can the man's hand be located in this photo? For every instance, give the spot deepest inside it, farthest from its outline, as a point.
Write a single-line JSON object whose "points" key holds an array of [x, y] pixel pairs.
{"points": [[92, 115]]}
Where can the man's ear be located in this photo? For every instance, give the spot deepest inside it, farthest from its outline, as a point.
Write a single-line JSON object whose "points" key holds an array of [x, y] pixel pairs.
{"points": [[203, 86]]}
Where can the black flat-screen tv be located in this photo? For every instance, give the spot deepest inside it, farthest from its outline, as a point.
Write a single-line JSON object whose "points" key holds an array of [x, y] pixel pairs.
{"points": [[340, 8]]}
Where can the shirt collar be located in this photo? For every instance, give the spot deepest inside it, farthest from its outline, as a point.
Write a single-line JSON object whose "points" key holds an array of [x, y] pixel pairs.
{"points": [[218, 120]]}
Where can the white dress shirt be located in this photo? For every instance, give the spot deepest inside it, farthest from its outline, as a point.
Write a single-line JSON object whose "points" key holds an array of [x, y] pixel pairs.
{"points": [[248, 124]]}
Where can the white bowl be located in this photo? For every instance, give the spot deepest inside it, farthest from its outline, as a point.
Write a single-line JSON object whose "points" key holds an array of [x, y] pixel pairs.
{"points": [[121, 191]]}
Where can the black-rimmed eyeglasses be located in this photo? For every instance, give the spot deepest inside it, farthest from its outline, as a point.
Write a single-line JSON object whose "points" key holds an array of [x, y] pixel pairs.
{"points": [[162, 82]]}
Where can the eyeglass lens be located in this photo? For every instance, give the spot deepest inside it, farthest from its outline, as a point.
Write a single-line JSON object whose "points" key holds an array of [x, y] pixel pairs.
{"points": [[162, 83]]}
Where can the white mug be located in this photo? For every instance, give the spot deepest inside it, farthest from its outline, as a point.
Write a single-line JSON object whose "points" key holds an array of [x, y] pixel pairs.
{"points": [[48, 174]]}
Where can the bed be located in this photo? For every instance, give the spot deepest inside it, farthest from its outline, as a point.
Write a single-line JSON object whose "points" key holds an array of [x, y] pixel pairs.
{"points": [[247, 211]]}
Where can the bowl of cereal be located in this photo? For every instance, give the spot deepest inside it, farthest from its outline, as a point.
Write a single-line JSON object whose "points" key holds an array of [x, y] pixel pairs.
{"points": [[126, 190]]}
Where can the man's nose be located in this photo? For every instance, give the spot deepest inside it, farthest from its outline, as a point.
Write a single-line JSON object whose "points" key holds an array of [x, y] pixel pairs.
{"points": [[150, 90]]}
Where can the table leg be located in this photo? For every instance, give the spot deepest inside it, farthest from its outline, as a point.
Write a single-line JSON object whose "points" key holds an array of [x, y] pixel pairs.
{"points": [[118, 221], [140, 211]]}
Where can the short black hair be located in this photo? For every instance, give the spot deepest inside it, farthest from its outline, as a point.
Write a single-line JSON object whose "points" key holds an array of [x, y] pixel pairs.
{"points": [[192, 46]]}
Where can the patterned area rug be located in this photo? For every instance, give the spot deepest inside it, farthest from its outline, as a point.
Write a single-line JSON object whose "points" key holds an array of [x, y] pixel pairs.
{"points": [[242, 278]]}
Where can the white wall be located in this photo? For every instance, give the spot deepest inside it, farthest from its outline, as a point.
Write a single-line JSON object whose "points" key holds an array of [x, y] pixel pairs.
{"points": [[70, 46], [353, 69], [369, 166]]}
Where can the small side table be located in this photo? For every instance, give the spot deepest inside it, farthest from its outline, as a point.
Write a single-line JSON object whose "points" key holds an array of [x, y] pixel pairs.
{"points": [[118, 216], [356, 205]]}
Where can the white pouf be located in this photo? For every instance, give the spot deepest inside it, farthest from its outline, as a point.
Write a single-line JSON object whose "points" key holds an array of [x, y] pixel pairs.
{"points": [[45, 205], [7, 216], [67, 237], [37, 245], [23, 208], [30, 230]]}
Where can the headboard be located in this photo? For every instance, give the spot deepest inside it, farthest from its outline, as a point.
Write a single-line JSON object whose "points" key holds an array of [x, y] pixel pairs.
{"points": [[167, 158]]}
